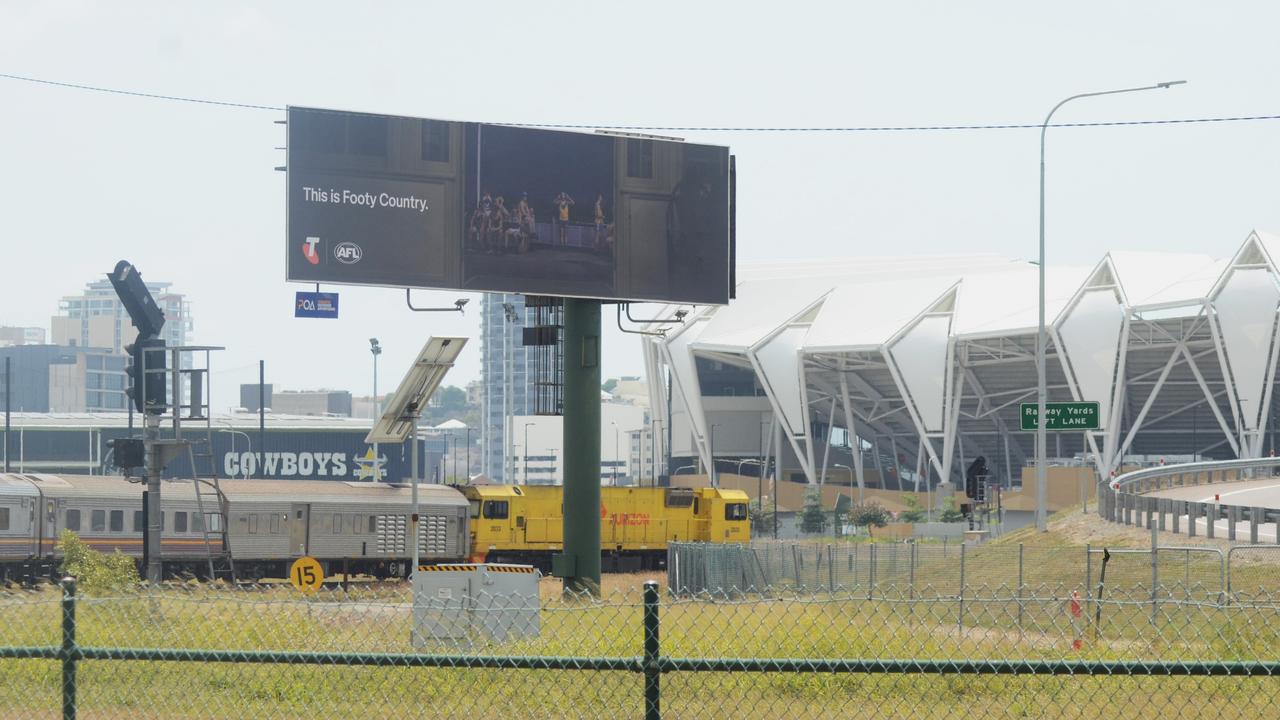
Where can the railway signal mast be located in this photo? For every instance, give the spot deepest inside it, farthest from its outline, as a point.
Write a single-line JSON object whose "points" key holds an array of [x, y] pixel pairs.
{"points": [[146, 371]]}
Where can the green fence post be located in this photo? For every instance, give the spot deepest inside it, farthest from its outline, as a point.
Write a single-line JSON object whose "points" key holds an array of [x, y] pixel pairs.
{"points": [[652, 667], [68, 653]]}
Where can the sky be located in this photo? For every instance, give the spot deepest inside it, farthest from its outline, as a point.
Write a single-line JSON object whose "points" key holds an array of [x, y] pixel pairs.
{"points": [[189, 194]]}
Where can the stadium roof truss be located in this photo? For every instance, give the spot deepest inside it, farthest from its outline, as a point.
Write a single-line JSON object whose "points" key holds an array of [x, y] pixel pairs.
{"points": [[932, 357]]}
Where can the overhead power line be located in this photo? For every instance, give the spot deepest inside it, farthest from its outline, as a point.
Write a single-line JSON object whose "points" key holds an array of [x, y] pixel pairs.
{"points": [[688, 128]]}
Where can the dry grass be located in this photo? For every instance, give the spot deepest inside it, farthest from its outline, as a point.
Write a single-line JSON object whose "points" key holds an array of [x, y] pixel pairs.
{"points": [[822, 626]]}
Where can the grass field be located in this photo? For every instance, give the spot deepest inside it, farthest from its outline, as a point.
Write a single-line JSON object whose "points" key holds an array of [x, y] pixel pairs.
{"points": [[787, 625]]}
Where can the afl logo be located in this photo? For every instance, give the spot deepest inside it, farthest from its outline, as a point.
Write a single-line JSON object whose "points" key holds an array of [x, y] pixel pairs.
{"points": [[347, 253]]}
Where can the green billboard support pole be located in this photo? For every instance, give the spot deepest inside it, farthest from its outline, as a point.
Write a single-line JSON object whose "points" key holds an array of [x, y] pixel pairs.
{"points": [[579, 564]]}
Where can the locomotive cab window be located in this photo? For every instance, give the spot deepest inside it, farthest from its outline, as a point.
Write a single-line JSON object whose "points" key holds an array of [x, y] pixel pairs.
{"points": [[495, 509], [275, 523], [475, 508], [735, 511], [73, 520]]}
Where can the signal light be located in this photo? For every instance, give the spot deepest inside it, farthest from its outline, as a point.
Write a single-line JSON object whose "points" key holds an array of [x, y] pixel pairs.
{"points": [[129, 452], [146, 370]]}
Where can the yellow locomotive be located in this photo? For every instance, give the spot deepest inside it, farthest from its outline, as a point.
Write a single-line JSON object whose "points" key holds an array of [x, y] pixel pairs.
{"points": [[525, 523]]}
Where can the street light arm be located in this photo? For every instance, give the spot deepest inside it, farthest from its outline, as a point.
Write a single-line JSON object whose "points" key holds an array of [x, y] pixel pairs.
{"points": [[1045, 125]]}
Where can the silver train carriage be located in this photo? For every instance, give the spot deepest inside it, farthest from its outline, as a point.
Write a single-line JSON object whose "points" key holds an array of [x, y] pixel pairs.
{"points": [[356, 528]]}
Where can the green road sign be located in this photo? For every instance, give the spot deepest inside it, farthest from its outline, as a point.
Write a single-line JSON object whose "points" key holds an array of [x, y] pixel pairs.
{"points": [[1062, 416]]}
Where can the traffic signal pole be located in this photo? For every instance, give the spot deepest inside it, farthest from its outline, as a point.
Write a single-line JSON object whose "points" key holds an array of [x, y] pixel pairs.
{"points": [[580, 562]]}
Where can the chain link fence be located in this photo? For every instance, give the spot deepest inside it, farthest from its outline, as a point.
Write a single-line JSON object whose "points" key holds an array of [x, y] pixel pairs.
{"points": [[987, 647], [912, 570]]}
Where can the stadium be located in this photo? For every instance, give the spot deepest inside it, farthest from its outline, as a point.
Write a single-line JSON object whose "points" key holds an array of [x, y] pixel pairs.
{"points": [[927, 360]]}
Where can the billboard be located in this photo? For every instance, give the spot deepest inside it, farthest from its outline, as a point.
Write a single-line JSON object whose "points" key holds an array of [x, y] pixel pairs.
{"points": [[413, 202]]}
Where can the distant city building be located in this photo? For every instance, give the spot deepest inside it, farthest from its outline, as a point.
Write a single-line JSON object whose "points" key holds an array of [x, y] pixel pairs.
{"points": [[250, 394], [641, 461], [96, 318], [631, 390], [10, 336], [312, 402], [297, 402], [364, 406], [538, 446], [60, 378], [475, 392], [506, 371]]}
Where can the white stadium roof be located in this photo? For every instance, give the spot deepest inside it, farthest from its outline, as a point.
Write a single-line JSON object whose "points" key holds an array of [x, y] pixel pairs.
{"points": [[935, 354]]}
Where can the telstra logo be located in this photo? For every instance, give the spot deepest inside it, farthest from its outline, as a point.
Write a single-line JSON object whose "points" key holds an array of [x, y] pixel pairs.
{"points": [[309, 250]]}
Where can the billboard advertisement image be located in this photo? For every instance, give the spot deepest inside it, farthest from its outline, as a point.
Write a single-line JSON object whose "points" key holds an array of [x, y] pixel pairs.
{"points": [[412, 202]]}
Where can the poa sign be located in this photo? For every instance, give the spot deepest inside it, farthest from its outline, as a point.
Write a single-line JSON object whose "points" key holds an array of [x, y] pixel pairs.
{"points": [[1061, 416], [315, 305]]}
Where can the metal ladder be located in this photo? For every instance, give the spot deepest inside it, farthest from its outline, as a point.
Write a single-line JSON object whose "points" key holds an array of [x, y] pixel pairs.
{"points": [[211, 504]]}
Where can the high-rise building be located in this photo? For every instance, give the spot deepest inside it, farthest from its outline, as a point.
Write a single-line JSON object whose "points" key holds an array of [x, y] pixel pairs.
{"points": [[507, 370], [53, 378], [10, 336], [95, 318]]}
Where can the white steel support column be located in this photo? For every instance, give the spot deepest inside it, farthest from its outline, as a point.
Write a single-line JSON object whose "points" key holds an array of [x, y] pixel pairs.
{"points": [[1111, 436], [1264, 411], [1238, 443], [897, 466], [1113, 460], [951, 422], [1213, 405], [826, 451], [855, 444]]}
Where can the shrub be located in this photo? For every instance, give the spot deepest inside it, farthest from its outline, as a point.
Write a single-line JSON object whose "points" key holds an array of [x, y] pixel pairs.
{"points": [[914, 512], [868, 515], [812, 518], [950, 512], [95, 571], [761, 517]]}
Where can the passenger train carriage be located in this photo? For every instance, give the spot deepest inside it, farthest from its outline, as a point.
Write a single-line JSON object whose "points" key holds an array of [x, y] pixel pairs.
{"points": [[359, 527]]}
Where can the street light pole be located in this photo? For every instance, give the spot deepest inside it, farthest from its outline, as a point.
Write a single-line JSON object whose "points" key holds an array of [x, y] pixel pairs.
{"points": [[851, 483], [1042, 393], [526, 453], [615, 452], [653, 448], [711, 450], [376, 350]]}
